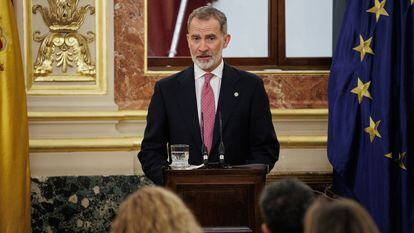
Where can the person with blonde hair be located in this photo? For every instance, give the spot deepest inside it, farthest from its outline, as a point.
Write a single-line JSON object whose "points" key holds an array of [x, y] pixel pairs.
{"points": [[338, 216], [155, 210]]}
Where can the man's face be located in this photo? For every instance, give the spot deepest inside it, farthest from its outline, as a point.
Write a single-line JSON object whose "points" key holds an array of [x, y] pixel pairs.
{"points": [[206, 43]]}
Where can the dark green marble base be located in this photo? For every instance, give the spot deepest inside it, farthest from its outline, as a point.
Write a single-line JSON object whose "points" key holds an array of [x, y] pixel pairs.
{"points": [[79, 203]]}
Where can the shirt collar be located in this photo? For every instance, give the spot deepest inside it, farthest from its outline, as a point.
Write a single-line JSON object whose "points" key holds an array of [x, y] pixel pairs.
{"points": [[218, 71]]}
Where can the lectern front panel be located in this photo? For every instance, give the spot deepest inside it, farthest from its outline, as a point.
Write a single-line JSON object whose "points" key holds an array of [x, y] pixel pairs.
{"points": [[220, 205], [223, 200]]}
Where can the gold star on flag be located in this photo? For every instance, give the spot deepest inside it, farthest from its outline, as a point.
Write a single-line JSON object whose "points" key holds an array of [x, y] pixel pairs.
{"points": [[362, 90], [400, 159], [364, 47], [372, 129], [378, 9], [389, 155]]}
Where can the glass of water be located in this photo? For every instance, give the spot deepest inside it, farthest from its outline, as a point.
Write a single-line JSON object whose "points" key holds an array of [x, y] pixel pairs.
{"points": [[179, 156]]}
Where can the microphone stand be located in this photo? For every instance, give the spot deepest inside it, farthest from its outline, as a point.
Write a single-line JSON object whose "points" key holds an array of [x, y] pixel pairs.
{"points": [[221, 146], [204, 151], [169, 159]]}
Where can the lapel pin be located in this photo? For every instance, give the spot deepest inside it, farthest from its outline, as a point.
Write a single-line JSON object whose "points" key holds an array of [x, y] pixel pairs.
{"points": [[236, 94]]}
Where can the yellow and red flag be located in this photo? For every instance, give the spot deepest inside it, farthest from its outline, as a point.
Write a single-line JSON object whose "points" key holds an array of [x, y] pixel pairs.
{"points": [[15, 207]]}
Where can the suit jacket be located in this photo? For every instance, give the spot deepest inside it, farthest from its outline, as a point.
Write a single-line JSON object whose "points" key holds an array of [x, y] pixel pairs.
{"points": [[248, 133]]}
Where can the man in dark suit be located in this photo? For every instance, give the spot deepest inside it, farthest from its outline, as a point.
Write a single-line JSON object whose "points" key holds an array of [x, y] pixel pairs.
{"points": [[186, 108]]}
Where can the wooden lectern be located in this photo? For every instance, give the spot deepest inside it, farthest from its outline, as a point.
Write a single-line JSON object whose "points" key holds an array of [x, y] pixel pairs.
{"points": [[222, 199]]}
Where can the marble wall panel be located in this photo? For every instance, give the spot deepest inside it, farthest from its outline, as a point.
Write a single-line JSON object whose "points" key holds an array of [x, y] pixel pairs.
{"points": [[79, 203]]}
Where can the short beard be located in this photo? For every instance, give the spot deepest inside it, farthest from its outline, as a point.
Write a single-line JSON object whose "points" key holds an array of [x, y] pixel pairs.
{"points": [[205, 65]]}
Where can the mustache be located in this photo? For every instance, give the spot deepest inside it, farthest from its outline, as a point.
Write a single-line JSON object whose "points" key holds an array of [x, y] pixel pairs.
{"points": [[204, 54]]}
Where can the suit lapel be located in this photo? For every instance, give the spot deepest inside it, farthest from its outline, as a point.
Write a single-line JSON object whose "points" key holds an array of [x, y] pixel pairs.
{"points": [[187, 103], [227, 100]]}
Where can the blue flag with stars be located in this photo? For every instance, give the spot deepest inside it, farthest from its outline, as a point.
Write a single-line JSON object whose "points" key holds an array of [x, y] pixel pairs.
{"points": [[371, 111]]}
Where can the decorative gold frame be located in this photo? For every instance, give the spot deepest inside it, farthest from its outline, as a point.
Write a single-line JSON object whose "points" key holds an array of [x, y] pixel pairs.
{"points": [[65, 85], [134, 143], [279, 114], [84, 144]]}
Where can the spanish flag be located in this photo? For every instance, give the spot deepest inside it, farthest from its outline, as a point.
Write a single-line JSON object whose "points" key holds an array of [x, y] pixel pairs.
{"points": [[14, 141]]}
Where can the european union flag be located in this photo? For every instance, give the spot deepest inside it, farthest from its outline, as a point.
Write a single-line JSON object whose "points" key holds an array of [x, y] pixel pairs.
{"points": [[371, 110]]}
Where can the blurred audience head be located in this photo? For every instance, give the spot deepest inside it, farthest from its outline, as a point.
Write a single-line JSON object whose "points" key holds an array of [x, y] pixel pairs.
{"points": [[283, 205], [338, 216], [156, 210]]}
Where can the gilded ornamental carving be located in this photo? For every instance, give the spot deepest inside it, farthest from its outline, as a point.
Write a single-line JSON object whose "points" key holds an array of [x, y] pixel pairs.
{"points": [[63, 46]]}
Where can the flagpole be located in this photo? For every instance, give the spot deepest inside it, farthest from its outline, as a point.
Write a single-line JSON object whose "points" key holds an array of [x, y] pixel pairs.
{"points": [[177, 29]]}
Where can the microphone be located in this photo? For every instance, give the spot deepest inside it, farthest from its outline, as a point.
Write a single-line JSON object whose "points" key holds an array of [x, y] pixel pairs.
{"points": [[169, 159], [204, 151], [221, 146]]}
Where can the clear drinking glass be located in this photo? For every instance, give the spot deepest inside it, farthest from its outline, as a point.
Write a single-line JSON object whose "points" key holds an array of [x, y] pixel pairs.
{"points": [[179, 156]]}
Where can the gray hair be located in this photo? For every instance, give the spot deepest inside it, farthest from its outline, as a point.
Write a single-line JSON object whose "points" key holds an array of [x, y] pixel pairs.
{"points": [[205, 13]]}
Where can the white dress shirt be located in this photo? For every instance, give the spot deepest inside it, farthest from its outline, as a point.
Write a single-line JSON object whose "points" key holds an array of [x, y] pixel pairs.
{"points": [[215, 83]]}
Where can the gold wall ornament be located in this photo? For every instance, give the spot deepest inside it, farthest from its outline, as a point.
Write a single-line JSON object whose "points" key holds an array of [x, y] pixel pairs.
{"points": [[83, 32], [64, 45]]}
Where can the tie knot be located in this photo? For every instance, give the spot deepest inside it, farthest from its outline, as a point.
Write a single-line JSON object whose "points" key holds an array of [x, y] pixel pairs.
{"points": [[208, 77]]}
